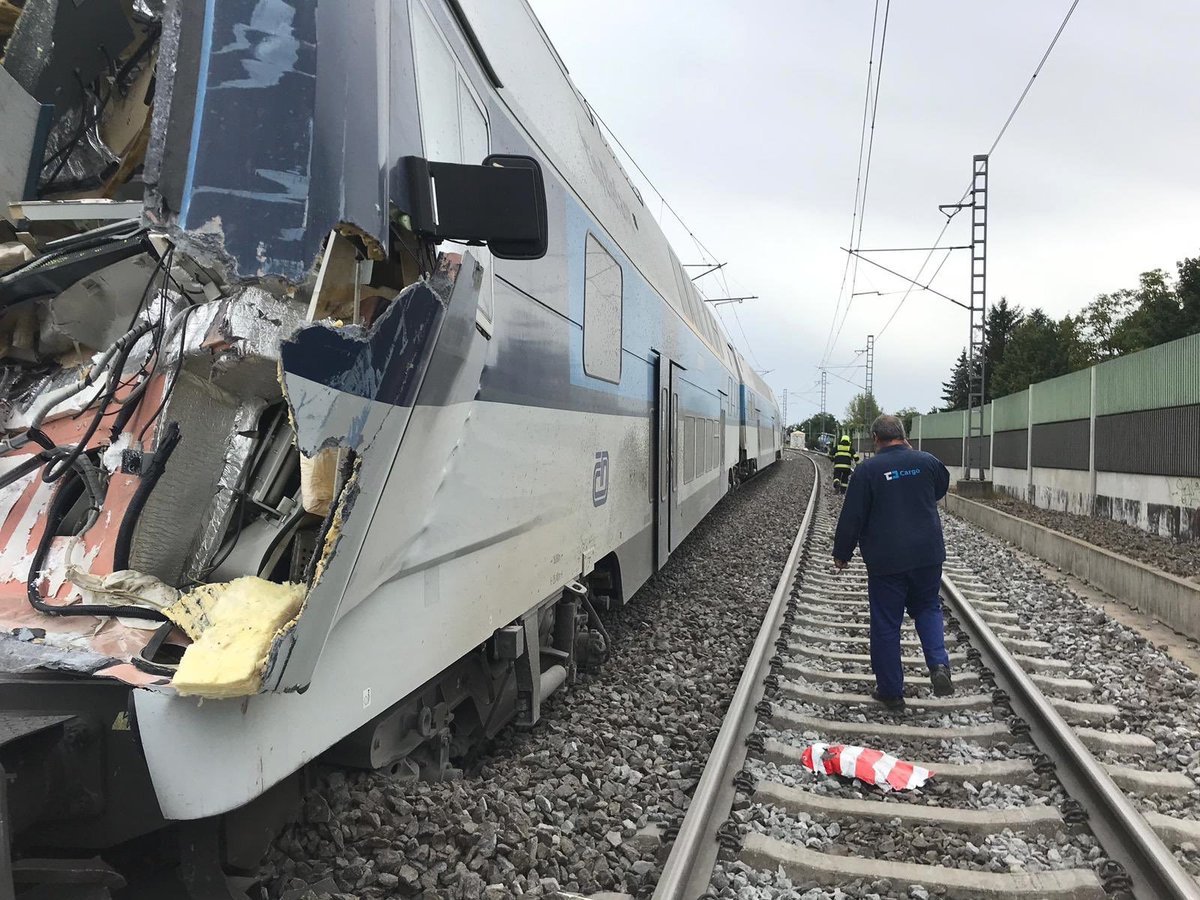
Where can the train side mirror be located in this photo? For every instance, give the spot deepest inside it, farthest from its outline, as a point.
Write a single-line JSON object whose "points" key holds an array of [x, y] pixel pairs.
{"points": [[501, 203]]}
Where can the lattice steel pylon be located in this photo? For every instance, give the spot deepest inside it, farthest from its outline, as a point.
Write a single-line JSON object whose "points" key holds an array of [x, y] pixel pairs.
{"points": [[824, 387], [977, 352], [869, 384]]}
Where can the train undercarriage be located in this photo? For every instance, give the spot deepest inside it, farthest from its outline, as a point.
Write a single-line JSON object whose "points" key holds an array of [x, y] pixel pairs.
{"points": [[78, 815]]}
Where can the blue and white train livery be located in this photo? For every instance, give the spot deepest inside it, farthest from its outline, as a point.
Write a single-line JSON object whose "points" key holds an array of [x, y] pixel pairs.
{"points": [[360, 381]]}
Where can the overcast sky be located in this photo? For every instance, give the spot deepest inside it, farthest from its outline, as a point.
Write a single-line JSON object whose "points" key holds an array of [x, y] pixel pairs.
{"points": [[746, 116]]}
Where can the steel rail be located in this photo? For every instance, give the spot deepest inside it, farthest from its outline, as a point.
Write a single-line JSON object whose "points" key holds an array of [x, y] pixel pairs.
{"points": [[693, 856], [1124, 834]]}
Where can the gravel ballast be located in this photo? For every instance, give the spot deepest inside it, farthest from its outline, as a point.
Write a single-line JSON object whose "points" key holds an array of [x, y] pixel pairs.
{"points": [[582, 802], [1178, 558], [936, 841], [1156, 695]]}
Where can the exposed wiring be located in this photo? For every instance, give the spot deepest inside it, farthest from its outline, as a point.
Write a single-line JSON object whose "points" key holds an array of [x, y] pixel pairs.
{"points": [[65, 460], [169, 387], [152, 472], [65, 497], [87, 120]]}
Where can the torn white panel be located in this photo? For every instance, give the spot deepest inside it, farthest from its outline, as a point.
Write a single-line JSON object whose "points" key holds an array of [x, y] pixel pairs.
{"points": [[123, 588], [15, 558], [64, 555], [96, 310], [10, 494]]}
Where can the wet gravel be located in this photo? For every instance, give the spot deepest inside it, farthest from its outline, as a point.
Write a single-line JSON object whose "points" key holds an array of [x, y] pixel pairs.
{"points": [[891, 840], [582, 801], [930, 845], [936, 792], [1156, 695], [955, 751], [1176, 557], [911, 715]]}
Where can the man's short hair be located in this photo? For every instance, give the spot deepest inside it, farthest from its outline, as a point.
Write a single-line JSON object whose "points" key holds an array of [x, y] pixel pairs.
{"points": [[888, 428]]}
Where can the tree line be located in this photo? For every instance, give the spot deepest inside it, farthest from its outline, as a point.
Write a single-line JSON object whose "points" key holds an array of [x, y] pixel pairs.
{"points": [[860, 413], [1022, 348]]}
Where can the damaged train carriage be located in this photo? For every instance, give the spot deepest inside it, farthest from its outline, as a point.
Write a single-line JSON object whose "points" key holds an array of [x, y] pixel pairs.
{"points": [[345, 376]]}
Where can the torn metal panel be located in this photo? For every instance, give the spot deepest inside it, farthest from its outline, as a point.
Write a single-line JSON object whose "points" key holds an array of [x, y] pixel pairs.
{"points": [[20, 654], [247, 70], [254, 70], [26, 124], [450, 356], [384, 364], [245, 203]]}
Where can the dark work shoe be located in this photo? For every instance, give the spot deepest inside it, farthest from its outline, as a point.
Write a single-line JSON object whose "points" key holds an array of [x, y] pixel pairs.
{"points": [[895, 704], [939, 677]]}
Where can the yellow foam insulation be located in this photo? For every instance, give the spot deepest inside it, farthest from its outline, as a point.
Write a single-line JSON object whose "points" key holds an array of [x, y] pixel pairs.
{"points": [[331, 538], [318, 477], [232, 626]]}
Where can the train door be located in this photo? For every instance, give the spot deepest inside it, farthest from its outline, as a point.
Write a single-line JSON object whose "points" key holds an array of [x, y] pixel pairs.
{"points": [[663, 432], [723, 482], [676, 530]]}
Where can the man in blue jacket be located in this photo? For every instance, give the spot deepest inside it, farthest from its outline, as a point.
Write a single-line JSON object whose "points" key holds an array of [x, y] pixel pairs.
{"points": [[890, 513]]}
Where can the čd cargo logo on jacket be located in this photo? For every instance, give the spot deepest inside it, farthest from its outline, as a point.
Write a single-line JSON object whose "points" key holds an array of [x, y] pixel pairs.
{"points": [[900, 473]]}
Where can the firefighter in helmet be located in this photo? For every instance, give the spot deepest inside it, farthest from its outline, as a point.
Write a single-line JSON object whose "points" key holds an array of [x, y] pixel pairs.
{"points": [[844, 459]]}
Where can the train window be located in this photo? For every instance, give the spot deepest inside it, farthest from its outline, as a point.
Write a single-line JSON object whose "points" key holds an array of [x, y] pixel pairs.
{"points": [[689, 448], [473, 126], [454, 127], [695, 467], [681, 281], [693, 305], [437, 89], [601, 313]]}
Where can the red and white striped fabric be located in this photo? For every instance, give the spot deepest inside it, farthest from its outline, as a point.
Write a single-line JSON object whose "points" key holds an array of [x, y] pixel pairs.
{"points": [[872, 766]]}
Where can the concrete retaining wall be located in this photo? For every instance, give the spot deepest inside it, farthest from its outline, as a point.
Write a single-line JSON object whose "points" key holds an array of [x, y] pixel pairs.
{"points": [[1171, 600], [1014, 482]]}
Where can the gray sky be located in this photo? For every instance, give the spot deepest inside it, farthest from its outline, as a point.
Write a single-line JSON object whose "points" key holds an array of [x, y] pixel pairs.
{"points": [[747, 118]]}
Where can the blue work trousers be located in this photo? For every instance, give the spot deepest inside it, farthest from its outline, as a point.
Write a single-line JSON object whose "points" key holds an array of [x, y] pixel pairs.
{"points": [[890, 596]]}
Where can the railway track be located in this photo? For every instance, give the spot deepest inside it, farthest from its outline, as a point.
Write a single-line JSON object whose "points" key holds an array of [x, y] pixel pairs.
{"points": [[1019, 807]]}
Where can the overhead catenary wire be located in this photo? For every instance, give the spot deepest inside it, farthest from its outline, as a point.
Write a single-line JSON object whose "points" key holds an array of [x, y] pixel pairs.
{"points": [[847, 380], [862, 214], [992, 149], [862, 143]]}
